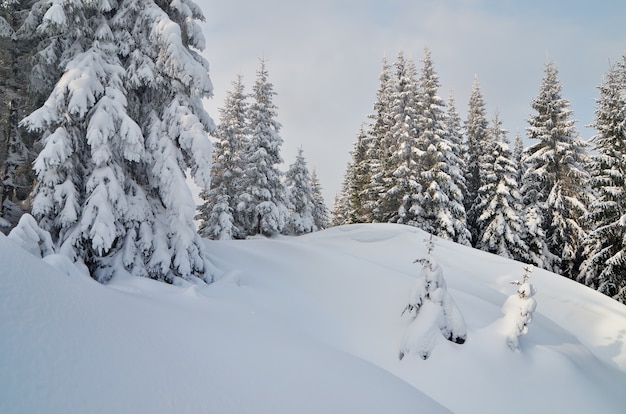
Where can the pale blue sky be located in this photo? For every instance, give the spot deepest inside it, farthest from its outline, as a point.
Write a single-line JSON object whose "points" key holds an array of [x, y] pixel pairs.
{"points": [[324, 59]]}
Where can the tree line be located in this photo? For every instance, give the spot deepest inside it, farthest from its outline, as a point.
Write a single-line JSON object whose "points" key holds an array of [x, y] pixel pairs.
{"points": [[557, 204], [104, 100], [249, 194]]}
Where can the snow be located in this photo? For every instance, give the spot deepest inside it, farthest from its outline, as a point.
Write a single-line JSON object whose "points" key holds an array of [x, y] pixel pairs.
{"points": [[518, 309], [55, 15], [431, 308], [31, 238], [308, 324]]}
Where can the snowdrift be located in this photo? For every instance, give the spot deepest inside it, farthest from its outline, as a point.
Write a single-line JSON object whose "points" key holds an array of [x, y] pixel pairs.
{"points": [[301, 325]]}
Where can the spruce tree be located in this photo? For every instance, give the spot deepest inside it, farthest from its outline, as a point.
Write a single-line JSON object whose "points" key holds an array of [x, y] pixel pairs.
{"points": [[299, 197], [556, 175], [518, 310], [219, 224], [379, 147], [402, 172], [605, 266], [358, 177], [456, 166], [123, 121], [262, 204], [439, 209], [218, 214], [477, 138], [532, 234], [499, 211], [320, 211], [341, 207], [535, 238], [431, 309]]}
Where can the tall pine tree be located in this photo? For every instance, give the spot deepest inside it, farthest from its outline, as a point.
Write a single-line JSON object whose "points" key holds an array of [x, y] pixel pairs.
{"points": [[341, 213], [439, 209], [605, 266], [477, 138], [218, 214], [403, 187], [320, 211], [499, 211], [379, 146], [456, 166], [300, 197], [123, 121], [262, 204], [556, 175], [356, 180]]}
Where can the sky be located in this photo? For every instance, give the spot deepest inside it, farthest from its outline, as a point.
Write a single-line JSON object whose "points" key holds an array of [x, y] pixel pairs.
{"points": [[324, 59]]}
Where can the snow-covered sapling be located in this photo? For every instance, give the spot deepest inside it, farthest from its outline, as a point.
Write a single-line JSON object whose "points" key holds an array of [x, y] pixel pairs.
{"points": [[28, 235], [518, 309], [432, 309]]}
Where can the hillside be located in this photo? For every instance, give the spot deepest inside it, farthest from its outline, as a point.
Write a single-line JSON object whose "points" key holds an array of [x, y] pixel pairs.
{"points": [[301, 325]]}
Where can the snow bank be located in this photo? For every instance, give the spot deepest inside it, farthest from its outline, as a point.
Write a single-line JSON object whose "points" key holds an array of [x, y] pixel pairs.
{"points": [[71, 345], [301, 325]]}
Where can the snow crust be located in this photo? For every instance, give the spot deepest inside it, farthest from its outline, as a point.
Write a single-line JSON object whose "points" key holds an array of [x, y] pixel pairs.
{"points": [[308, 324]]}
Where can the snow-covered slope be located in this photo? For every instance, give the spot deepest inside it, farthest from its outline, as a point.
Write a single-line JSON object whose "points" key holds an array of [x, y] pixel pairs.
{"points": [[301, 325]]}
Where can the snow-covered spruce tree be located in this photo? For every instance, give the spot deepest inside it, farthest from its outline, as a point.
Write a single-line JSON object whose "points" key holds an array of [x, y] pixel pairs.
{"points": [[219, 224], [432, 310], [439, 209], [357, 177], [535, 238], [341, 207], [299, 198], [456, 166], [122, 124], [29, 236], [342, 210], [358, 201], [379, 146], [518, 309], [396, 204], [499, 210], [477, 138], [218, 213], [51, 54], [555, 178], [533, 234], [320, 211], [262, 203], [604, 268]]}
